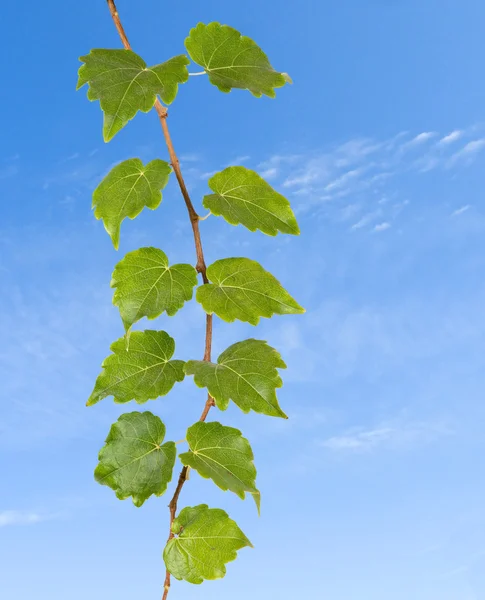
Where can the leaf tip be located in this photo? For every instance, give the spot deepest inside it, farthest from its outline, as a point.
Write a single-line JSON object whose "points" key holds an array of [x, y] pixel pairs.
{"points": [[92, 400], [257, 500]]}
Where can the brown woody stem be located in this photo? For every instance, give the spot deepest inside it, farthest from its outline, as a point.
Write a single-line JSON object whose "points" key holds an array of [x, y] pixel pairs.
{"points": [[200, 266]]}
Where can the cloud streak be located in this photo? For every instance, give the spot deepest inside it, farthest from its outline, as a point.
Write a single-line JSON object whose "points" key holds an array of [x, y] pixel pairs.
{"points": [[387, 435], [9, 518], [363, 170]]}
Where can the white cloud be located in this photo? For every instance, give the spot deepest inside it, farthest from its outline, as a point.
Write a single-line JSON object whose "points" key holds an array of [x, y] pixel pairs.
{"points": [[451, 137], [190, 157], [393, 435], [241, 159], [271, 173], [382, 226], [461, 210], [21, 517], [427, 163], [418, 140], [366, 219], [273, 165], [344, 179], [468, 153], [363, 170], [349, 211], [207, 175]]}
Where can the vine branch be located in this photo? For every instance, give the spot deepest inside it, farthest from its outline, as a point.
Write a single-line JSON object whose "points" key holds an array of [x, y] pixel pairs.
{"points": [[200, 266]]}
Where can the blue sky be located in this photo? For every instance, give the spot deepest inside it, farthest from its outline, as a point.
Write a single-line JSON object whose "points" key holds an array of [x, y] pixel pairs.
{"points": [[372, 490]]}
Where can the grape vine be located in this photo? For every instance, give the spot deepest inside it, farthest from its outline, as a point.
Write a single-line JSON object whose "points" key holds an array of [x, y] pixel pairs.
{"points": [[136, 461]]}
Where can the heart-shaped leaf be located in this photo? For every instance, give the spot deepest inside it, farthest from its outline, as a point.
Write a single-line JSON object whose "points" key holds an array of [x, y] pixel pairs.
{"points": [[126, 190], [140, 371], [206, 539], [245, 373], [233, 60], [222, 454], [146, 286], [123, 84], [241, 196], [242, 289], [134, 462]]}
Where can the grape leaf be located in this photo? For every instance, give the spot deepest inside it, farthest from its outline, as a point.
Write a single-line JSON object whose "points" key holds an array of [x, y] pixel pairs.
{"points": [[142, 371], [233, 60], [126, 190], [134, 462], [222, 454], [242, 289], [243, 197], [245, 373], [206, 539], [122, 82], [146, 286]]}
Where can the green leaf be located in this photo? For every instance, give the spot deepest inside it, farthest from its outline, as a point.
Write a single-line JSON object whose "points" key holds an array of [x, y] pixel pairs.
{"points": [[233, 60], [245, 373], [126, 190], [122, 82], [242, 289], [142, 371], [206, 540], [222, 454], [134, 462], [243, 197], [146, 286]]}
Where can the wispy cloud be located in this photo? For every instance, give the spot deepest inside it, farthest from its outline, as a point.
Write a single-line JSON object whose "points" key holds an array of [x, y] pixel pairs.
{"points": [[451, 137], [387, 435], [278, 162], [418, 140], [239, 160], [468, 153], [271, 173], [189, 157], [461, 210], [382, 227], [366, 219], [363, 169], [23, 517]]}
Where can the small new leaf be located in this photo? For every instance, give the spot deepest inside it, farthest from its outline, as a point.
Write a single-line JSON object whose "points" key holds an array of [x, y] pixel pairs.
{"points": [[233, 60], [134, 462], [242, 289], [206, 539], [126, 190], [146, 286], [243, 197], [222, 454], [140, 371], [245, 373], [122, 82]]}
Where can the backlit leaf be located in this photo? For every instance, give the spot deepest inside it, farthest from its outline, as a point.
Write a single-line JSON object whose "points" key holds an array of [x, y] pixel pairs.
{"points": [[233, 60], [122, 82], [222, 454], [146, 285], [134, 462], [139, 371], [245, 373], [206, 539], [243, 197], [126, 190], [242, 289]]}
